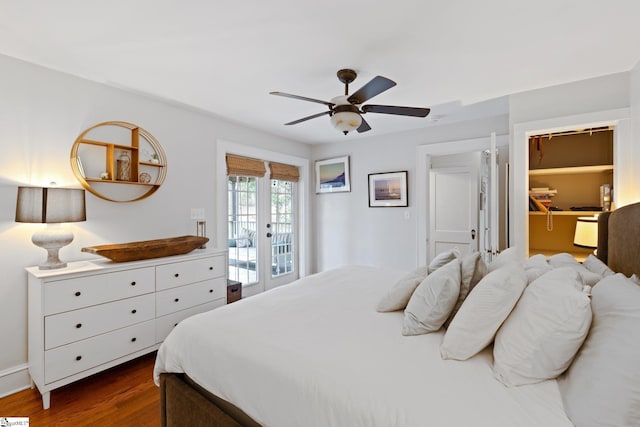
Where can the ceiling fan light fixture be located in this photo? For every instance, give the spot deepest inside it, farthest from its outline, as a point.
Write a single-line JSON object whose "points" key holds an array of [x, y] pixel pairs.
{"points": [[346, 121], [346, 110], [346, 117]]}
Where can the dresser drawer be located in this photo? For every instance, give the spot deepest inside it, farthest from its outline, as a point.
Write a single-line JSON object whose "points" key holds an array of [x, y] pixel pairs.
{"points": [[70, 359], [71, 294], [182, 273], [184, 297], [165, 324], [79, 324]]}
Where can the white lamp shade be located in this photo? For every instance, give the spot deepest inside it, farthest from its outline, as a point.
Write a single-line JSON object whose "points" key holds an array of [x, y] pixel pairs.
{"points": [[346, 121], [50, 205], [586, 235]]}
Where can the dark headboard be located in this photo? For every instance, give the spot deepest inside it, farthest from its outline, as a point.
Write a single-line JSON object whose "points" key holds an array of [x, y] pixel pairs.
{"points": [[619, 239]]}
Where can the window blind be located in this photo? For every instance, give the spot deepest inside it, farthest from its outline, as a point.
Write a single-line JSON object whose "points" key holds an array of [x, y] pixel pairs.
{"points": [[244, 166], [284, 172]]}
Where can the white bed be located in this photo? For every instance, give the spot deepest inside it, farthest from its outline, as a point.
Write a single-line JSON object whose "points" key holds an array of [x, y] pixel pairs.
{"points": [[342, 363]]}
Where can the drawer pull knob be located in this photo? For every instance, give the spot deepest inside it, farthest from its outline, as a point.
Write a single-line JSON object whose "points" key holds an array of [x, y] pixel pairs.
{"points": [[210, 268], [133, 283], [176, 300], [79, 325], [134, 311], [210, 291], [175, 324], [78, 293], [133, 339], [78, 358], [176, 275]]}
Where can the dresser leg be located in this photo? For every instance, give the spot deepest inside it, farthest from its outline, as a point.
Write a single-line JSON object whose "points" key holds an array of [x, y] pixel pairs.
{"points": [[46, 400]]}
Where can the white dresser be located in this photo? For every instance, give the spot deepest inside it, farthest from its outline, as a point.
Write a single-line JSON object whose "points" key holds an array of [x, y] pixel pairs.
{"points": [[93, 315]]}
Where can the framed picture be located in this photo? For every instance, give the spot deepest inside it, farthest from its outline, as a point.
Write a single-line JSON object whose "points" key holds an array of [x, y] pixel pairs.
{"points": [[332, 175], [388, 189]]}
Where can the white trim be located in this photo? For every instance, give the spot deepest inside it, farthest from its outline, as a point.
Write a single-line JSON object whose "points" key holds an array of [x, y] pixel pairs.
{"points": [[14, 379], [519, 161], [423, 165], [304, 196]]}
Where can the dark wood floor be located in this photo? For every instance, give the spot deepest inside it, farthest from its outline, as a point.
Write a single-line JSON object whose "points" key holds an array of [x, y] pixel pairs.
{"points": [[121, 396]]}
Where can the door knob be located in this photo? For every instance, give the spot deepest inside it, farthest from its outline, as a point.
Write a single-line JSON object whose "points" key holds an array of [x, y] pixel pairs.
{"points": [[269, 234], [473, 234]]}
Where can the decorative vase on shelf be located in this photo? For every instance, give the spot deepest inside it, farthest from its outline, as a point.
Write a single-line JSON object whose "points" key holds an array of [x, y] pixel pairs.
{"points": [[123, 167]]}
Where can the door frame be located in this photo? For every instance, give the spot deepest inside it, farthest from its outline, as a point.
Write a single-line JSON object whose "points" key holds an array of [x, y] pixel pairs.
{"points": [[225, 147], [624, 188], [423, 166]]}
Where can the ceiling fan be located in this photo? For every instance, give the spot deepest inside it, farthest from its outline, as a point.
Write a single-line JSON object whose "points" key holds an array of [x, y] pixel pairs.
{"points": [[346, 110]]}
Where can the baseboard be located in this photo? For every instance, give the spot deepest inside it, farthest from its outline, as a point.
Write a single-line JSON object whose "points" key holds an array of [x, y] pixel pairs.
{"points": [[14, 379]]}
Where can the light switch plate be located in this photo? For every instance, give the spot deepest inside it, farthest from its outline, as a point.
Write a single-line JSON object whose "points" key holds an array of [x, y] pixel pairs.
{"points": [[197, 213]]}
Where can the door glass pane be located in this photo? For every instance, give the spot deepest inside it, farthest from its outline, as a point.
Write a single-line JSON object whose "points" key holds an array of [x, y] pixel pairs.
{"points": [[282, 227], [242, 225]]}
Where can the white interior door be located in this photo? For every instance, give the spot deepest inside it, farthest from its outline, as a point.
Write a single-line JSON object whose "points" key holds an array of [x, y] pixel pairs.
{"points": [[453, 218]]}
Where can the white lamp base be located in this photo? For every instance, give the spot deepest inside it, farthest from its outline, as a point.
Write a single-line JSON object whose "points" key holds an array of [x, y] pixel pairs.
{"points": [[52, 239]]}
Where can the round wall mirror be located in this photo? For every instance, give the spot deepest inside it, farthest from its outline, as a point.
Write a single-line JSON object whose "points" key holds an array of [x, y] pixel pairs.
{"points": [[118, 161]]}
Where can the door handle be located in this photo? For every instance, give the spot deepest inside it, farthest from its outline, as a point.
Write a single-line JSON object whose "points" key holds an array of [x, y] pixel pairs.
{"points": [[473, 234], [269, 234]]}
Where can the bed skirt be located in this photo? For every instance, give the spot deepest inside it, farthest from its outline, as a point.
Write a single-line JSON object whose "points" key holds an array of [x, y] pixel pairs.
{"points": [[182, 402]]}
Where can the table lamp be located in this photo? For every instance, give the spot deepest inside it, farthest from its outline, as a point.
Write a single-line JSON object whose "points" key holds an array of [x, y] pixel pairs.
{"points": [[586, 235], [51, 206]]}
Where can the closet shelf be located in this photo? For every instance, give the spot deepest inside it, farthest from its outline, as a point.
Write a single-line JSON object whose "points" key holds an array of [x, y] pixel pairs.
{"points": [[567, 213], [571, 170]]}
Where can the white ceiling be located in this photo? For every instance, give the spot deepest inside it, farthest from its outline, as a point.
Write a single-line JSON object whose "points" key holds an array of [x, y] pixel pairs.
{"points": [[224, 57]]}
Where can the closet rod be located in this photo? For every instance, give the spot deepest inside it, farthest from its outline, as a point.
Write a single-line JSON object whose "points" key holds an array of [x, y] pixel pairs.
{"points": [[572, 132]]}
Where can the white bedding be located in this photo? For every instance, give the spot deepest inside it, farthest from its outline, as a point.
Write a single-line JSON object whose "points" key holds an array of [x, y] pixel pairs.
{"points": [[316, 353]]}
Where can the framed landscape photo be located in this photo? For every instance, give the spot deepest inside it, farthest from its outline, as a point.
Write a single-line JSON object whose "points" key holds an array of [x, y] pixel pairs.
{"points": [[332, 175], [388, 189]]}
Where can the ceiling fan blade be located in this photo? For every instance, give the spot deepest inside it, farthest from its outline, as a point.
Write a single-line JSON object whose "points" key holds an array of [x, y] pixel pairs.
{"points": [[364, 126], [304, 119], [302, 98], [375, 86], [401, 111]]}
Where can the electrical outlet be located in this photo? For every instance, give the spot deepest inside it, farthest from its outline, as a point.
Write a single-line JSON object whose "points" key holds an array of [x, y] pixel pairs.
{"points": [[197, 213]]}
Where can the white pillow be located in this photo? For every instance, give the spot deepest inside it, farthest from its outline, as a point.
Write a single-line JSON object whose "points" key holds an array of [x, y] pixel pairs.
{"points": [[433, 300], [541, 336], [602, 385], [443, 259], [536, 266], [505, 257], [482, 313], [472, 270], [595, 265], [398, 296], [567, 260]]}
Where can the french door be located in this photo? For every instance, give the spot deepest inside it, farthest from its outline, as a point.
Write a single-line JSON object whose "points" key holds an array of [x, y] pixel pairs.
{"points": [[262, 230]]}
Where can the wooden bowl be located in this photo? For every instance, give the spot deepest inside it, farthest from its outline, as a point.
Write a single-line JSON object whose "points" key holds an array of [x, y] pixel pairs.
{"points": [[148, 249]]}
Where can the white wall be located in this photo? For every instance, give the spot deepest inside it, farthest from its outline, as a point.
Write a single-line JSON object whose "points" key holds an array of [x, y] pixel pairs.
{"points": [[586, 96], [41, 114], [347, 230]]}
